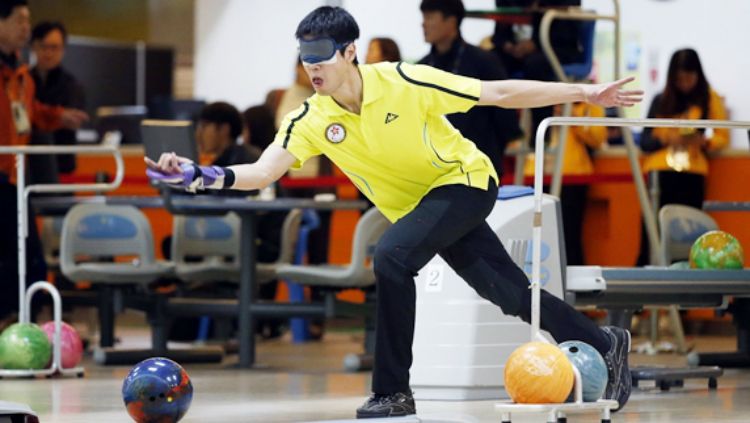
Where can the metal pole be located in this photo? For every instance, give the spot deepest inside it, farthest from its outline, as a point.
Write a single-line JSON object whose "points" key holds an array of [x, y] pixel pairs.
{"points": [[544, 39], [21, 225], [247, 289], [536, 248]]}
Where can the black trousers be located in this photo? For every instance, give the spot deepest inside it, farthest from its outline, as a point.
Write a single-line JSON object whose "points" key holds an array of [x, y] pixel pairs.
{"points": [[450, 221], [674, 188], [36, 268], [573, 205]]}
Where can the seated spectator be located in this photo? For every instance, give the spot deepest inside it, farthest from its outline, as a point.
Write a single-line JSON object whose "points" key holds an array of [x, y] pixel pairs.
{"points": [[260, 126], [220, 126], [382, 49], [678, 155], [219, 135], [490, 128]]}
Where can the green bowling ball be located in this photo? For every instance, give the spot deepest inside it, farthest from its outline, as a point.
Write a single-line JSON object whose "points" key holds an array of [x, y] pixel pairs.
{"points": [[24, 346], [716, 250]]}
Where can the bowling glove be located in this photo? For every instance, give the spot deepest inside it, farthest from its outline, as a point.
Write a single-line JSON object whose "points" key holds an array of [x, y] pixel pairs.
{"points": [[194, 177]]}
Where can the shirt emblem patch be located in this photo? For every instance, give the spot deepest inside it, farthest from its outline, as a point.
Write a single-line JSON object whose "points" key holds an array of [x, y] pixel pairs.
{"points": [[335, 133], [390, 117]]}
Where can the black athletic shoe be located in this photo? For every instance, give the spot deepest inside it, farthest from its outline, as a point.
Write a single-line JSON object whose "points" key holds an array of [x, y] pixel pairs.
{"points": [[387, 405], [620, 381]]}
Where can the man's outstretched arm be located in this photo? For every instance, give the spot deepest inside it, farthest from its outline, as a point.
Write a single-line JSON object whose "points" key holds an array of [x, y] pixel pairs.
{"points": [[521, 94], [179, 171]]}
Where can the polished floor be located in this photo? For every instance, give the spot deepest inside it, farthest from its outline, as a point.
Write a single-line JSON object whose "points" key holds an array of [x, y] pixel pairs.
{"points": [[304, 383]]}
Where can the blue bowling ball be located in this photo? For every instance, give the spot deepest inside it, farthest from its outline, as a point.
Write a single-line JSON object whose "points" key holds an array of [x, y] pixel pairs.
{"points": [[157, 390], [591, 365]]}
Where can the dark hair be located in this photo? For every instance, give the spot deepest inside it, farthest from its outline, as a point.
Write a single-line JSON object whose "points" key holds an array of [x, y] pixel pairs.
{"points": [[42, 29], [7, 6], [261, 125], [446, 7], [673, 101], [221, 113], [389, 49], [327, 21]]}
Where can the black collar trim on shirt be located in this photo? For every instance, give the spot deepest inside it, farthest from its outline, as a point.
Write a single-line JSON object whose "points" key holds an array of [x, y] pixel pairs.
{"points": [[430, 85], [294, 121]]}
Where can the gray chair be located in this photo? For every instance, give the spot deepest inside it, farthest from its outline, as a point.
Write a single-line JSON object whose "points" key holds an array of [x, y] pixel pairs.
{"points": [[215, 243], [679, 227], [113, 248], [204, 249], [289, 237], [92, 232], [50, 237], [357, 274]]}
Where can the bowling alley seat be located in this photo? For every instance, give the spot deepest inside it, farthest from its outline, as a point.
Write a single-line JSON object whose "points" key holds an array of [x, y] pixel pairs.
{"points": [[679, 227], [93, 233], [50, 237], [357, 274], [205, 249], [112, 247]]}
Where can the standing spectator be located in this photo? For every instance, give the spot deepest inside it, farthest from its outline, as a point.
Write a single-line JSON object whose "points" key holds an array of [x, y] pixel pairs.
{"points": [[678, 155], [382, 49], [520, 50], [490, 128], [54, 86], [18, 111]]}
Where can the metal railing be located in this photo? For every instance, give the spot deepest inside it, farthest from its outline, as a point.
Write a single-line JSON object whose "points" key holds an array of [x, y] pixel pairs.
{"points": [[23, 191], [646, 210]]}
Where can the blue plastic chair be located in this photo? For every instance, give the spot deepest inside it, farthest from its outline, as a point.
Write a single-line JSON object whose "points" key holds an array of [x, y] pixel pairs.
{"points": [[310, 222], [581, 70]]}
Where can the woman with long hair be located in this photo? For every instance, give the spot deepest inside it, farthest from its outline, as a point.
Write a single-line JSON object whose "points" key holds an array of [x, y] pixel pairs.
{"points": [[676, 157]]}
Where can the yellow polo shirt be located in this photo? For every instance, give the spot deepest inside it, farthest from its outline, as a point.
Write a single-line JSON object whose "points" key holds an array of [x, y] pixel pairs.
{"points": [[400, 146]]}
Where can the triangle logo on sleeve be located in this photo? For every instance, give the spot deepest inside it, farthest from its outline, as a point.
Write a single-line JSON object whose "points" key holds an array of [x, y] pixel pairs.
{"points": [[390, 117]]}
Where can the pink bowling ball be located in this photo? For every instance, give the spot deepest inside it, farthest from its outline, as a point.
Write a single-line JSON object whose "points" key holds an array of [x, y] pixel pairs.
{"points": [[71, 347]]}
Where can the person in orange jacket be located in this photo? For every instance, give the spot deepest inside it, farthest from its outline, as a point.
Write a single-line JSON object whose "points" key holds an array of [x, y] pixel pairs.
{"points": [[19, 111]]}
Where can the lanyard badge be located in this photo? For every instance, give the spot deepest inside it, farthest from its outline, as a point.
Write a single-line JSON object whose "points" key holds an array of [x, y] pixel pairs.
{"points": [[20, 117]]}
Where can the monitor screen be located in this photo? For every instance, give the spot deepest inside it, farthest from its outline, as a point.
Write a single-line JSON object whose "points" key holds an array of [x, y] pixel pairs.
{"points": [[161, 136]]}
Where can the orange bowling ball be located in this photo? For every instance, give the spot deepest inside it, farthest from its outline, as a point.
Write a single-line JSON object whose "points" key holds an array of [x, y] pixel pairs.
{"points": [[538, 373]]}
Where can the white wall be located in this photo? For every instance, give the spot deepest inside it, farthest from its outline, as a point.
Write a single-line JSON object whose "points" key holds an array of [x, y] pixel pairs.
{"points": [[244, 48], [717, 30]]}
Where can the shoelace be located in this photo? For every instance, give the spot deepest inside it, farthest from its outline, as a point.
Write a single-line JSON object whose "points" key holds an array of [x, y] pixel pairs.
{"points": [[382, 399]]}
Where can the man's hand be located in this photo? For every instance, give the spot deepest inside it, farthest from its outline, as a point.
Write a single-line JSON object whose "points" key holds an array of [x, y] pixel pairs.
{"points": [[73, 118], [696, 138], [171, 169], [523, 48], [168, 163], [611, 94]]}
